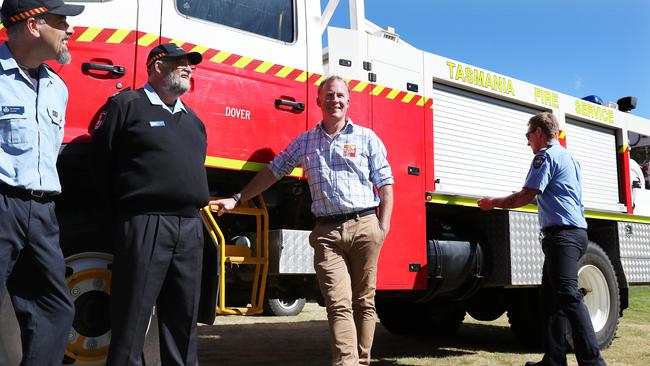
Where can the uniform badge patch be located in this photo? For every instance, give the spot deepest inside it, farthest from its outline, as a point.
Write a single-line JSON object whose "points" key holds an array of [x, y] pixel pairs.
{"points": [[538, 161], [100, 119], [350, 150], [157, 123], [9, 109]]}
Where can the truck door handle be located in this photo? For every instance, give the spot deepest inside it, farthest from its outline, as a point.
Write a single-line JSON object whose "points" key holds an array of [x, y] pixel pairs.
{"points": [[114, 69], [297, 106]]}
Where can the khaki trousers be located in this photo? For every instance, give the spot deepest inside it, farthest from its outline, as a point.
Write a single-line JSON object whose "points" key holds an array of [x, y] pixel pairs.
{"points": [[345, 260]]}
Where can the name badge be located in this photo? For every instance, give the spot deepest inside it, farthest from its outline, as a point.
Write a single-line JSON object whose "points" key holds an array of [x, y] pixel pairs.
{"points": [[350, 150], [8, 109], [157, 123]]}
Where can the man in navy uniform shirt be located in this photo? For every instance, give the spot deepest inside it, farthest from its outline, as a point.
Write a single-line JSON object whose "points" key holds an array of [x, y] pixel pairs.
{"points": [[33, 102], [149, 149], [554, 177]]}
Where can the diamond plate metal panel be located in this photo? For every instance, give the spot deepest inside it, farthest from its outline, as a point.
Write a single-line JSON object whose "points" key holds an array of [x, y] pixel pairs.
{"points": [[634, 239], [290, 252], [526, 256], [636, 270]]}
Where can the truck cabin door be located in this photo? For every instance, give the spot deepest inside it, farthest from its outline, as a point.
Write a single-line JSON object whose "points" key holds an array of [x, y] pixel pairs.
{"points": [[250, 90], [103, 50]]}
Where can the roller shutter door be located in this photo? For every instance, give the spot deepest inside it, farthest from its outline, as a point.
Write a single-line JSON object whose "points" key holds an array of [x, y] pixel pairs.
{"points": [[479, 143], [595, 149]]}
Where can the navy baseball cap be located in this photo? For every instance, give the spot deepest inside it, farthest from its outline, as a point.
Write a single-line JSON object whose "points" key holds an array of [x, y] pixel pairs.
{"points": [[172, 50], [13, 11]]}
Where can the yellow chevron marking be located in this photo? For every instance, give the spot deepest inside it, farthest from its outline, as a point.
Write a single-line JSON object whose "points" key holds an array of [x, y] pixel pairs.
{"points": [[118, 36], [360, 87], [562, 134], [284, 71], [177, 42], [215, 162], [320, 80], [302, 77], [264, 67], [622, 149], [393, 93], [242, 62], [422, 101], [199, 49], [408, 97], [377, 90], [219, 57], [89, 34], [147, 39]]}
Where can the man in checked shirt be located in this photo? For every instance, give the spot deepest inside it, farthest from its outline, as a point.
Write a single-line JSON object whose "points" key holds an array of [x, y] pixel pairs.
{"points": [[344, 162]]}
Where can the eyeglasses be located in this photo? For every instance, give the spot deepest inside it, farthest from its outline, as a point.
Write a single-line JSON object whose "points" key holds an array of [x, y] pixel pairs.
{"points": [[530, 133], [182, 64]]}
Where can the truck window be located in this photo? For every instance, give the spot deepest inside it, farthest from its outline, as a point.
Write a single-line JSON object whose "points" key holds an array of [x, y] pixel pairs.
{"points": [[269, 18]]}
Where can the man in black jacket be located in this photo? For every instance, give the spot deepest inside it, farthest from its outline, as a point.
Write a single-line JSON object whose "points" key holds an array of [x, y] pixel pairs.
{"points": [[149, 150]]}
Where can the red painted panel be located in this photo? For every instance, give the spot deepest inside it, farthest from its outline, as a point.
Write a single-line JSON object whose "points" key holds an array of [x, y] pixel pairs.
{"points": [[89, 90], [401, 126], [624, 179]]}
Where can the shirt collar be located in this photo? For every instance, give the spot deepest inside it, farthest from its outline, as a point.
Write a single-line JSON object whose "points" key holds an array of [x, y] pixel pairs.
{"points": [[349, 125], [155, 100], [8, 62]]}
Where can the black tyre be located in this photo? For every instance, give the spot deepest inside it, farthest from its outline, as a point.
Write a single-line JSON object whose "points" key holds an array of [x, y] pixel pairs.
{"points": [[597, 279], [283, 307], [88, 278], [487, 305], [403, 317], [525, 315]]}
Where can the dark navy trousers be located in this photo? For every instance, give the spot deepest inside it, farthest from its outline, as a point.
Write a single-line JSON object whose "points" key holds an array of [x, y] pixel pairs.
{"points": [[33, 270], [157, 261], [563, 299]]}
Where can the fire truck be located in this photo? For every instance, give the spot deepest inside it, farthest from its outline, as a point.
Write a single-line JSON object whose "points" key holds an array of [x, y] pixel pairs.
{"points": [[453, 131]]}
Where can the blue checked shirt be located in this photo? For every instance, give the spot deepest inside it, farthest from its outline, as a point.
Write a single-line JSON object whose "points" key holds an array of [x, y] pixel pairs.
{"points": [[341, 171], [31, 125]]}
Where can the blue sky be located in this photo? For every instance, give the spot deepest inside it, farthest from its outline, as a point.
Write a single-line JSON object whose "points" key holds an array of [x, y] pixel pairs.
{"points": [[576, 47]]}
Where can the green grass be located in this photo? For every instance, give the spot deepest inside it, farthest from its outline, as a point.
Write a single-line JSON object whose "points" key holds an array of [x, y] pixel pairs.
{"points": [[639, 310]]}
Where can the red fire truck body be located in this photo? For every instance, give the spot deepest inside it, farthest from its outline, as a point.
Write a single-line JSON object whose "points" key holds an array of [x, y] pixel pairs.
{"points": [[454, 132]]}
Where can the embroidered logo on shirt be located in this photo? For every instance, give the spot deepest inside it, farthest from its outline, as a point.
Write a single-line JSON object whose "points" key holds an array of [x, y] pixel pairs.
{"points": [[13, 109], [538, 161], [157, 123], [100, 119], [350, 150]]}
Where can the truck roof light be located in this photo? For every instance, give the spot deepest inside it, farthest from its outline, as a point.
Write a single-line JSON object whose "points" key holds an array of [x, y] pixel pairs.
{"points": [[626, 104], [594, 99]]}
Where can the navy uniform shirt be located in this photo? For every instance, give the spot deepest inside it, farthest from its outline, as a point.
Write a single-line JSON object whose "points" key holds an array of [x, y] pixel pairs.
{"points": [[556, 175], [31, 125]]}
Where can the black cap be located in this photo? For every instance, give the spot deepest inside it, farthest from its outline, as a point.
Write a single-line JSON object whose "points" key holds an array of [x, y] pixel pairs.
{"points": [[13, 11], [172, 50]]}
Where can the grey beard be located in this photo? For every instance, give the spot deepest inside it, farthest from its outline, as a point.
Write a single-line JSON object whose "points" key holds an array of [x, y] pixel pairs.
{"points": [[64, 57], [176, 85]]}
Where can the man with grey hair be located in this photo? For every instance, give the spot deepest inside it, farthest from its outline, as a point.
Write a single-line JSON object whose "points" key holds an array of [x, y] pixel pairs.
{"points": [[554, 178], [344, 163], [149, 149], [33, 101]]}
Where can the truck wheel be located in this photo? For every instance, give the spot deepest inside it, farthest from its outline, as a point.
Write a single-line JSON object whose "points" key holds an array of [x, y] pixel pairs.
{"points": [[525, 315], [283, 307], [598, 282], [403, 317]]}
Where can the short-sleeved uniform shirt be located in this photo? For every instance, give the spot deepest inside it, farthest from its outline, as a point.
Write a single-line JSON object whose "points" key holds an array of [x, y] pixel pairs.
{"points": [[31, 125], [341, 170], [556, 175]]}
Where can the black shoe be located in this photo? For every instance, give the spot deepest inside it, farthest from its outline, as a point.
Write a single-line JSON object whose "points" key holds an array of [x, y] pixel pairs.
{"points": [[532, 363]]}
